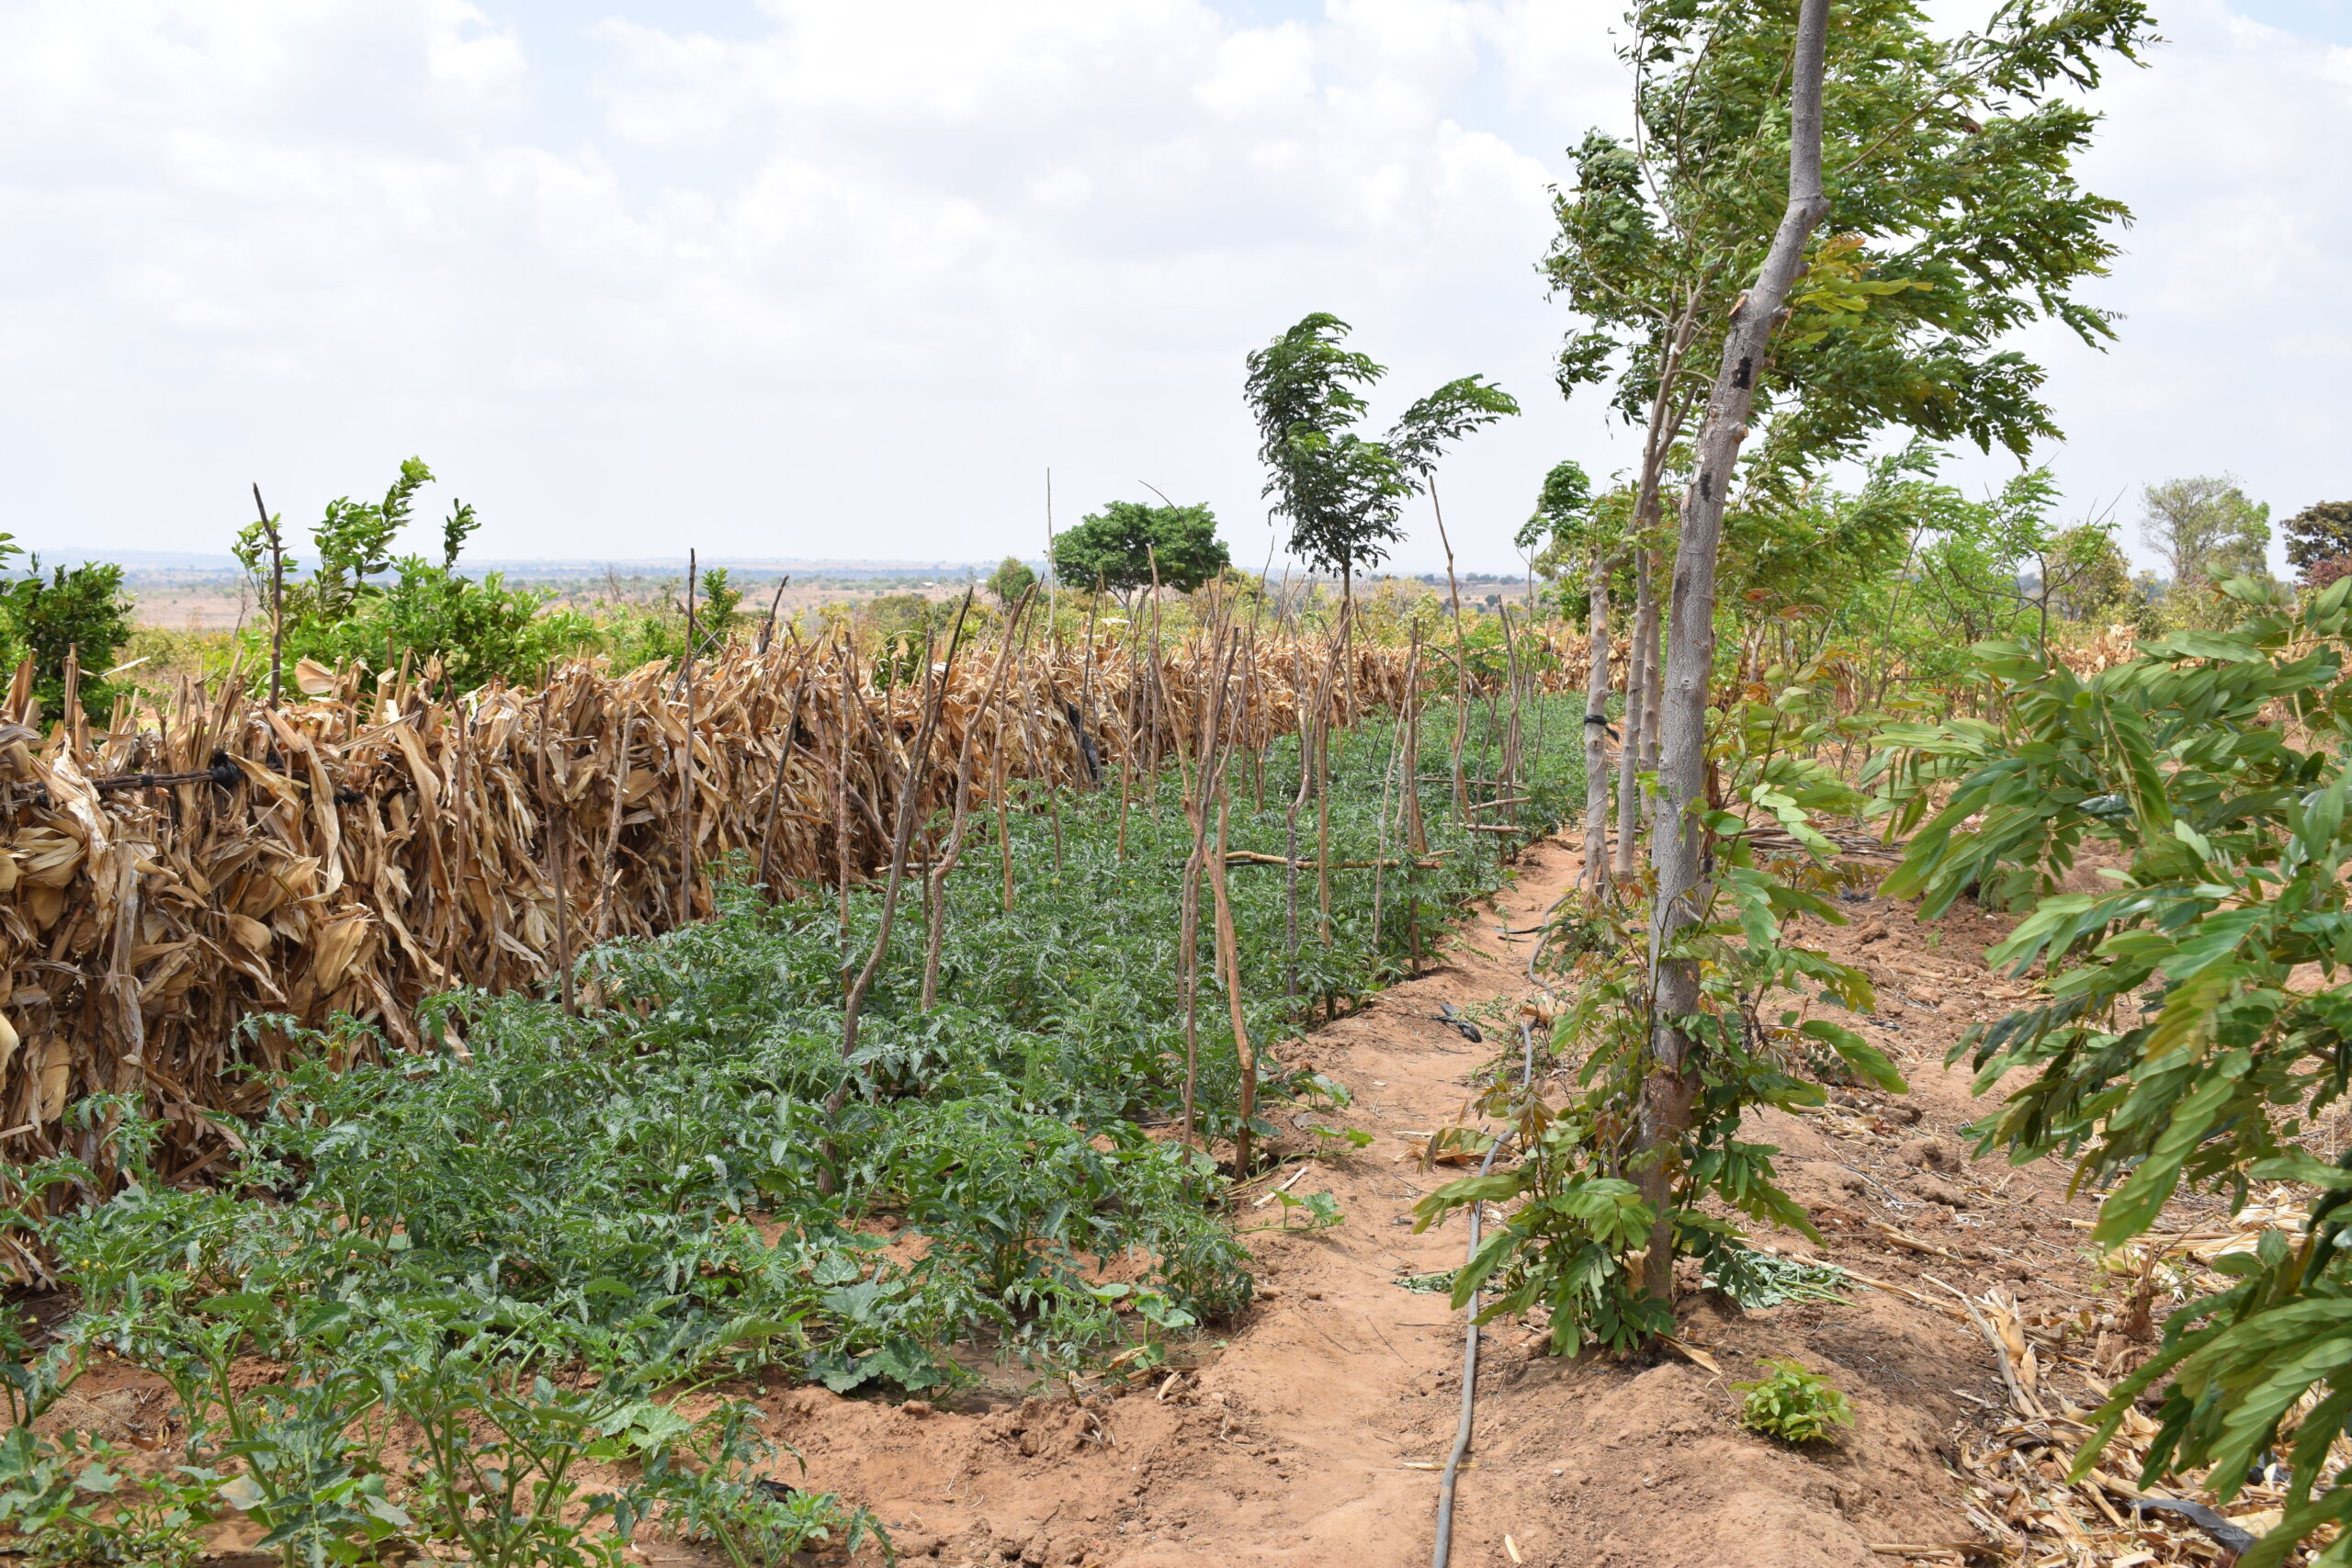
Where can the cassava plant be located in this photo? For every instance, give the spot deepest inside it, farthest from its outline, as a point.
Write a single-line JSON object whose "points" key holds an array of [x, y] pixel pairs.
{"points": [[2189, 1020], [1767, 1032]]}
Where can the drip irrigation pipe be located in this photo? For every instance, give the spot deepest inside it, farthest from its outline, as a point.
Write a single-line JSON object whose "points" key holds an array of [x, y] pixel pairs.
{"points": [[1470, 1340]]}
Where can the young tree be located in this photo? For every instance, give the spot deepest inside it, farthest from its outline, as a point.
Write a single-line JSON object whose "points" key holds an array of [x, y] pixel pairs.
{"points": [[1958, 222], [1670, 1090], [2206, 529], [479, 629], [1950, 162], [2083, 573], [2320, 532], [1125, 544], [1011, 580], [79, 611], [1572, 537], [1969, 577], [1343, 491]]}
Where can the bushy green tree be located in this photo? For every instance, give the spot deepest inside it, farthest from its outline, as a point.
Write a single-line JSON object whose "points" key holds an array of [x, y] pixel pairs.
{"points": [[1011, 580], [479, 629], [2320, 532], [1956, 220], [2085, 574], [1906, 566], [80, 611], [1122, 546], [1343, 491], [2206, 529]]}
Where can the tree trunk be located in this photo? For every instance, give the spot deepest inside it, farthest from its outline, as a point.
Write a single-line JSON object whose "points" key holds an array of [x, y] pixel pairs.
{"points": [[1641, 717], [1596, 729], [1652, 706], [1671, 1087]]}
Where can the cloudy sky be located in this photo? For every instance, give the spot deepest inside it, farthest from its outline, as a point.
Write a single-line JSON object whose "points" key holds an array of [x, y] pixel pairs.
{"points": [[834, 279]]}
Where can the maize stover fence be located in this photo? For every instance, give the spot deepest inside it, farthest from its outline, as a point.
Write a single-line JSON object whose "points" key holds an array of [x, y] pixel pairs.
{"points": [[362, 849]]}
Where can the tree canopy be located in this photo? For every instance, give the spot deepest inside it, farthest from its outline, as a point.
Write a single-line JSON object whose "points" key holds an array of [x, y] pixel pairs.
{"points": [[1563, 510], [80, 611], [1011, 580], [2206, 529], [1129, 544], [1956, 221], [2320, 532], [1344, 491]]}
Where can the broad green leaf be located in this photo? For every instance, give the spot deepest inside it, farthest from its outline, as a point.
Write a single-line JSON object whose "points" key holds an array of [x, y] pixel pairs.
{"points": [[1857, 1054]]}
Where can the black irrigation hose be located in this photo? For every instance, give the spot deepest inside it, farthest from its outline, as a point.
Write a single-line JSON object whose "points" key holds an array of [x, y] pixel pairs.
{"points": [[1470, 1341]]}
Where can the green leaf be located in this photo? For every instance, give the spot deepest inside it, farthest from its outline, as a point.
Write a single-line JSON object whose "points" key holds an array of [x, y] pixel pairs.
{"points": [[2296, 1164], [1857, 1054], [2133, 1206]]}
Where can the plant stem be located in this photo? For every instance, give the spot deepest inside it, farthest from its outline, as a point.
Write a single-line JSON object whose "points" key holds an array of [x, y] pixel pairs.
{"points": [[1670, 1090]]}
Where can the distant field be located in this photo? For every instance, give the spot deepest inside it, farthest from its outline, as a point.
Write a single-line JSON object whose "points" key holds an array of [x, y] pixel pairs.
{"points": [[188, 596], [192, 595]]}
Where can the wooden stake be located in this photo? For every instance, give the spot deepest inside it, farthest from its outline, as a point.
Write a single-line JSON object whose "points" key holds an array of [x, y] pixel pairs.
{"points": [[936, 875], [276, 597], [1461, 662], [687, 765], [902, 834], [556, 811]]}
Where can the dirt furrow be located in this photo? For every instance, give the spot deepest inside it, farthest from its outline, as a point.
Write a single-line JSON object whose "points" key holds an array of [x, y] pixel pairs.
{"points": [[1313, 1431]]}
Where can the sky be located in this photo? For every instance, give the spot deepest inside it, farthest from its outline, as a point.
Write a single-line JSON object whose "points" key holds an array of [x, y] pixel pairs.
{"points": [[801, 278]]}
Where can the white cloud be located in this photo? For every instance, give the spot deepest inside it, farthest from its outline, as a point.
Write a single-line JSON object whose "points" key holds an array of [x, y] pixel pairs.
{"points": [[845, 282], [467, 56]]}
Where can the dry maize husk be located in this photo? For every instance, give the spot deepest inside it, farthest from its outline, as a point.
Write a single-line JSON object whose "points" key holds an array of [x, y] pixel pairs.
{"points": [[379, 846]]}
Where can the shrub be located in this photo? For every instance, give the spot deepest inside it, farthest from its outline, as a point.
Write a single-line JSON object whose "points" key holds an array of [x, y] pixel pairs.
{"points": [[479, 630], [2187, 1020], [78, 610]]}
